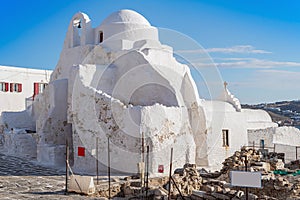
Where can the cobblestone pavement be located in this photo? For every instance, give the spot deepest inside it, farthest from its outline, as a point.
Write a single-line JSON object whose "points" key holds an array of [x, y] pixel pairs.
{"points": [[23, 179]]}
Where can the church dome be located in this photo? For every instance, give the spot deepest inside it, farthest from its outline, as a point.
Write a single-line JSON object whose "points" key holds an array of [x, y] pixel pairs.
{"points": [[126, 17]]}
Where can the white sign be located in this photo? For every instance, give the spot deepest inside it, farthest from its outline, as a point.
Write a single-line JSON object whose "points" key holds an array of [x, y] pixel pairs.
{"points": [[245, 179], [93, 153]]}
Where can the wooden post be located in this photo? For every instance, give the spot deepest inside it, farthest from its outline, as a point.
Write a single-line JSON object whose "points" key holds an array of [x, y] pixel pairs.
{"points": [[67, 166], [108, 160], [147, 171], [143, 161], [170, 174], [246, 169], [97, 160]]}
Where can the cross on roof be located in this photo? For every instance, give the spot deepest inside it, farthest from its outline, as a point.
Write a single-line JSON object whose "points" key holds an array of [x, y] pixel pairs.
{"points": [[225, 84]]}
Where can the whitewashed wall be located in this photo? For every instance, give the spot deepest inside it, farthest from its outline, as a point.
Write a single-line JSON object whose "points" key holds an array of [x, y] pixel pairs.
{"points": [[222, 115]]}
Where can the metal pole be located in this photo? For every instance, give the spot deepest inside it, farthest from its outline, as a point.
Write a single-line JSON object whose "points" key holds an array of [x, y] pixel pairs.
{"points": [[143, 161], [170, 174], [246, 169], [253, 145], [108, 160], [296, 153], [67, 167], [147, 171], [97, 160]]}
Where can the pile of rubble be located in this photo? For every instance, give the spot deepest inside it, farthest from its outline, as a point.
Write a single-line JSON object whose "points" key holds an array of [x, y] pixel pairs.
{"points": [[256, 161], [278, 182], [273, 186], [186, 180]]}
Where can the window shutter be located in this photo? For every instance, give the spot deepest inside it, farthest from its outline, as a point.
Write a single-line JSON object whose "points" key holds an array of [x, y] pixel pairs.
{"points": [[6, 87], [19, 87], [11, 87], [35, 89]]}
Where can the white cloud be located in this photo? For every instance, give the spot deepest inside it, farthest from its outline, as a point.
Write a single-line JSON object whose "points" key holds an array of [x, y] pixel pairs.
{"points": [[257, 63], [247, 63], [247, 49], [241, 49]]}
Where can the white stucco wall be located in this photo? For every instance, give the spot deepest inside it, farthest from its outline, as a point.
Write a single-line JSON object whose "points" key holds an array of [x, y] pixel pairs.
{"points": [[223, 116], [50, 112], [164, 127], [261, 134], [21, 144], [17, 120]]}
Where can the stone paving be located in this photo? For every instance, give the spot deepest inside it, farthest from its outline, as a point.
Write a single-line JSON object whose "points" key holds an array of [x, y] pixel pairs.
{"points": [[24, 179]]}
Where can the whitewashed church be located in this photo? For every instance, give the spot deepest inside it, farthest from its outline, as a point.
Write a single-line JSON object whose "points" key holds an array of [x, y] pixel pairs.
{"points": [[118, 81]]}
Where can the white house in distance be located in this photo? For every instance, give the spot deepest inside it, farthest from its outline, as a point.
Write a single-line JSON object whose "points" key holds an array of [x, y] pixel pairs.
{"points": [[18, 87], [18, 84], [118, 82]]}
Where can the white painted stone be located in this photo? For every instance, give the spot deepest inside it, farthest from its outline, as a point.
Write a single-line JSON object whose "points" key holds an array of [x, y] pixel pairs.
{"points": [[81, 184]]}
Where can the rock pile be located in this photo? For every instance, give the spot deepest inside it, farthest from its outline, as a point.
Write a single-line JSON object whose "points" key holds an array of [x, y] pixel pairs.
{"points": [[186, 179], [256, 161]]}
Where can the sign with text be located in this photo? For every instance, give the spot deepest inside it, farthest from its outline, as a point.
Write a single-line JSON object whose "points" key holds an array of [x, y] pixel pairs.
{"points": [[245, 179]]}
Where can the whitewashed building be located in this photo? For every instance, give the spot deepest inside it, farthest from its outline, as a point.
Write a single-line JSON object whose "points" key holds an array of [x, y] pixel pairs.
{"points": [[19, 85], [284, 139], [18, 88], [118, 81]]}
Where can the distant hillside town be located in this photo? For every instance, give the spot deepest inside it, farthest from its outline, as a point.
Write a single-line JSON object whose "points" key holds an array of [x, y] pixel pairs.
{"points": [[284, 113]]}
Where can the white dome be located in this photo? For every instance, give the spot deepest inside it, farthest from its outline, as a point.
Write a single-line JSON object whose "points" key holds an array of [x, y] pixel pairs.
{"points": [[126, 17]]}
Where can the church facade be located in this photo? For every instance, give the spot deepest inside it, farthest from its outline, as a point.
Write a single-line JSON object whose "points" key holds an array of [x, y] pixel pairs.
{"points": [[117, 85]]}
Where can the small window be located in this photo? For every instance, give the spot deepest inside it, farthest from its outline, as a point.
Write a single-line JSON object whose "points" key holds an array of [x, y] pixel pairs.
{"points": [[262, 144], [15, 87], [100, 37], [225, 134], [3, 87]]}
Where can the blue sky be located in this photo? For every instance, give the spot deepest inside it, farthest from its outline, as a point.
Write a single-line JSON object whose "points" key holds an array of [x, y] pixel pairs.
{"points": [[254, 43]]}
